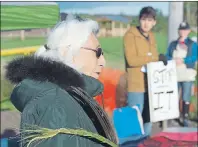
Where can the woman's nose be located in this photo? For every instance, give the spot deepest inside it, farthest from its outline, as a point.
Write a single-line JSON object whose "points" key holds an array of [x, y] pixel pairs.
{"points": [[101, 61]]}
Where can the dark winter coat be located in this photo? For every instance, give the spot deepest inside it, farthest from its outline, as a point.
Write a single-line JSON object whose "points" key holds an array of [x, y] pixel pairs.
{"points": [[52, 95]]}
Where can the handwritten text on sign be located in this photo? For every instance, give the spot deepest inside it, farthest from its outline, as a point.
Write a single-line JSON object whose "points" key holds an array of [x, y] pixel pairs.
{"points": [[163, 91]]}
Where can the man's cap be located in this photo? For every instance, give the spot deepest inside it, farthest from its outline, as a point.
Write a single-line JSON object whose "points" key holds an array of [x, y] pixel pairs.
{"points": [[184, 26]]}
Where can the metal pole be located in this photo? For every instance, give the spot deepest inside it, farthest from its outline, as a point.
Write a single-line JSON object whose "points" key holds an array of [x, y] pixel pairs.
{"points": [[188, 15], [175, 18]]}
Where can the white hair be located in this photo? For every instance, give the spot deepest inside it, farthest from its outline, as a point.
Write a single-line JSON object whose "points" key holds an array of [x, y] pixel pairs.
{"points": [[68, 36]]}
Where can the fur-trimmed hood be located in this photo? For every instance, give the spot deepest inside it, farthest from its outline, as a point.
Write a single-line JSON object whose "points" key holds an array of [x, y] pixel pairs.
{"points": [[40, 69], [46, 70]]}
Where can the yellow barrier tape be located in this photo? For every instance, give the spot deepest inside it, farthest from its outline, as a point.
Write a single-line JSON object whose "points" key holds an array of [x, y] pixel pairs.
{"points": [[18, 51]]}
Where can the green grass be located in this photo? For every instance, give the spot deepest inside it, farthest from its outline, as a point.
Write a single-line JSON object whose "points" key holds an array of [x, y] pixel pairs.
{"points": [[8, 58], [194, 102], [112, 46], [113, 51], [6, 90], [17, 42], [25, 17], [162, 41], [193, 34], [7, 105]]}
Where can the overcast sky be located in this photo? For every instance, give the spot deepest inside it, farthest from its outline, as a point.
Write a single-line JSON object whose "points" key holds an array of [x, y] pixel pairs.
{"points": [[129, 8]]}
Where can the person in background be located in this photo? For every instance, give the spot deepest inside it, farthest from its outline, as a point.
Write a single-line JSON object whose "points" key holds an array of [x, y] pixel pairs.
{"points": [[184, 52], [140, 48], [55, 87]]}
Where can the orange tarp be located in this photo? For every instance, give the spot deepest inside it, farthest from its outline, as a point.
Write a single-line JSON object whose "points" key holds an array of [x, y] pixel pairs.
{"points": [[110, 79]]}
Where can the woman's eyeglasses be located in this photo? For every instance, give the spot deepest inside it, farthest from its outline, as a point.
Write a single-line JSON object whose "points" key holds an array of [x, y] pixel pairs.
{"points": [[98, 52]]}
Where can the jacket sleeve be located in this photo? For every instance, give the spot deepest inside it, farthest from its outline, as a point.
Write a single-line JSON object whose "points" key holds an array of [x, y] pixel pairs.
{"points": [[131, 54], [168, 52], [193, 58]]}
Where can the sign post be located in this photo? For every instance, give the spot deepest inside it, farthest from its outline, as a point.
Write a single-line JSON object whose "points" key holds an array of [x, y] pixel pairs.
{"points": [[175, 18], [163, 91]]}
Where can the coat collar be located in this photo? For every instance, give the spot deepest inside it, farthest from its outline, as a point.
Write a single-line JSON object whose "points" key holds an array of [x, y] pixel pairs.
{"points": [[137, 33], [186, 40], [40, 69]]}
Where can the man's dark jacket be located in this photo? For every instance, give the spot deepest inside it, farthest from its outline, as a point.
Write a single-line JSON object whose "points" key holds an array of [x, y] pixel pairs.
{"points": [[46, 96]]}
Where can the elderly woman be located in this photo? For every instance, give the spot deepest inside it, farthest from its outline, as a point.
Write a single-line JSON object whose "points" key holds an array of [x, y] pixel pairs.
{"points": [[55, 87]]}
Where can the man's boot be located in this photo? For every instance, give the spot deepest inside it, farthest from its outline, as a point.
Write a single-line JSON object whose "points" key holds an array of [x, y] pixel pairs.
{"points": [[185, 113]]}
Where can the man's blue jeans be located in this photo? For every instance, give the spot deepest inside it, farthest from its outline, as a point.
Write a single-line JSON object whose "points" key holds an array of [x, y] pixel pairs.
{"points": [[135, 98], [186, 90]]}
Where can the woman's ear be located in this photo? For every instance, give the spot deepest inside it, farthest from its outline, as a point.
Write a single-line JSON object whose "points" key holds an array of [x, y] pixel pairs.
{"points": [[64, 51]]}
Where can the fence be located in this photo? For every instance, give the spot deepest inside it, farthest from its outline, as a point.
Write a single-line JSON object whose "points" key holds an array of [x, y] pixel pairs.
{"points": [[23, 34]]}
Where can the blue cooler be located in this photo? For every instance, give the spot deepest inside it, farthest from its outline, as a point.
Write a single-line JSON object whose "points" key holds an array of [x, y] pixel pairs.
{"points": [[128, 124], [4, 142]]}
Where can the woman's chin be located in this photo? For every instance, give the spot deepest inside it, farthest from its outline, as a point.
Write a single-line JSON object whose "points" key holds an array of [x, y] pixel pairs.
{"points": [[95, 75]]}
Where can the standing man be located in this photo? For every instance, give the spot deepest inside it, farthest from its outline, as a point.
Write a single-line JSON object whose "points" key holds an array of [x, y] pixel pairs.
{"points": [[184, 52], [140, 49]]}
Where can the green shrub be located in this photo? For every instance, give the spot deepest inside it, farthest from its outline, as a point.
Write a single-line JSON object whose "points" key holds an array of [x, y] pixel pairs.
{"points": [[193, 115], [6, 88]]}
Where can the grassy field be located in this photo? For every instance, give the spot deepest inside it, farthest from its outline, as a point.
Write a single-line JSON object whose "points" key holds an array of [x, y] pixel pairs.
{"points": [[16, 42], [24, 17], [112, 46]]}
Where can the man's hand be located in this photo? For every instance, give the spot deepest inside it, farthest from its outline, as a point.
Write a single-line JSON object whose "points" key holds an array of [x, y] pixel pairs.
{"points": [[179, 61], [163, 59]]}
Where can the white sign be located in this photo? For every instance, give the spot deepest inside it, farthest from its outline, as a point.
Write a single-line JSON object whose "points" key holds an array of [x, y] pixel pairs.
{"points": [[163, 91]]}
